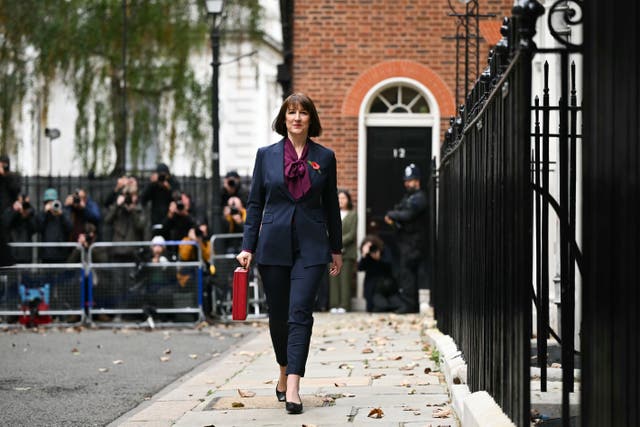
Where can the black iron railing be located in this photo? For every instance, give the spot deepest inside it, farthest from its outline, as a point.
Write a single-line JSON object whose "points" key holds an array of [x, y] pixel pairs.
{"points": [[484, 253]]}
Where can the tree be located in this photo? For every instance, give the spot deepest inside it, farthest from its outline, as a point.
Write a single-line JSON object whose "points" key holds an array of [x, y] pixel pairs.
{"points": [[152, 95]]}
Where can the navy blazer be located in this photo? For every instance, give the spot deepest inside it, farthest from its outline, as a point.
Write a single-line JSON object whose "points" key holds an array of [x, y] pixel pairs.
{"points": [[272, 210]]}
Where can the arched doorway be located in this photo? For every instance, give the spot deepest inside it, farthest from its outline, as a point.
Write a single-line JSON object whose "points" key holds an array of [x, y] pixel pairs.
{"points": [[398, 124]]}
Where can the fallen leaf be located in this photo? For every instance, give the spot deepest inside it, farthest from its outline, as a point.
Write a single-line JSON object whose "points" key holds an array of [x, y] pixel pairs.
{"points": [[340, 384], [367, 350], [165, 358], [193, 356], [237, 405], [427, 370], [103, 369], [442, 413], [22, 388], [308, 425], [345, 366], [395, 357], [246, 353], [246, 393], [376, 376], [408, 367], [556, 365], [376, 413], [167, 351], [75, 351], [118, 362]]}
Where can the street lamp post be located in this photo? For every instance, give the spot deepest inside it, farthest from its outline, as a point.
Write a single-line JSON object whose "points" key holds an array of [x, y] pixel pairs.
{"points": [[51, 133], [214, 9]]}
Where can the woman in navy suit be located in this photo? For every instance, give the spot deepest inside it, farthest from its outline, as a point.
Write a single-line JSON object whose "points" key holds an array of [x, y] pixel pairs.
{"points": [[293, 229]]}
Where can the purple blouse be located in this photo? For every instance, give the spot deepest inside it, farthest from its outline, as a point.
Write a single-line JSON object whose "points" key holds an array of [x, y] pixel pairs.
{"points": [[296, 176]]}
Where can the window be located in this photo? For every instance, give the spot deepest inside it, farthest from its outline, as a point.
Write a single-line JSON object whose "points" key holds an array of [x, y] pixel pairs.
{"points": [[400, 99]]}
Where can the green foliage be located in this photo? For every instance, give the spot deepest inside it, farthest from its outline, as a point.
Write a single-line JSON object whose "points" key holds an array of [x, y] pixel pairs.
{"points": [[81, 42]]}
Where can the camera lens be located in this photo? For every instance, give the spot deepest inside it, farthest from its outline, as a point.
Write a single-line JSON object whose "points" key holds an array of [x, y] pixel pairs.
{"points": [[232, 183], [76, 200], [179, 205], [162, 177], [373, 248], [127, 199], [56, 206]]}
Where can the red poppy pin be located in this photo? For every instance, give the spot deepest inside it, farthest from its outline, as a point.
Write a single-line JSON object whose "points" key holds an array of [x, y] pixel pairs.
{"points": [[315, 166]]}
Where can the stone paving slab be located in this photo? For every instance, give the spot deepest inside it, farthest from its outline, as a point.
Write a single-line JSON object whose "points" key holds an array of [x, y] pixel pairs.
{"points": [[362, 361]]}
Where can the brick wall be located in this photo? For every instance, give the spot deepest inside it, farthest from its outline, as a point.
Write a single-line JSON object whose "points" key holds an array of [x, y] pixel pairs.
{"points": [[341, 48]]}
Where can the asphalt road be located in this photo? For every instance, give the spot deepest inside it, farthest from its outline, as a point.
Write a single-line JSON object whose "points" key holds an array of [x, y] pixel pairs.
{"points": [[89, 377]]}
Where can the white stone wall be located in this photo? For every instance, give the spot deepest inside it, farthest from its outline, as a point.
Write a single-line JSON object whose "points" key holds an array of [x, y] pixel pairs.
{"points": [[249, 97]]}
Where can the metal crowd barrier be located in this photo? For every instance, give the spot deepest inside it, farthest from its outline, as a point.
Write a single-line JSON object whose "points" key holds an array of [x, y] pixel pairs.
{"points": [[124, 285], [44, 291], [225, 247]]}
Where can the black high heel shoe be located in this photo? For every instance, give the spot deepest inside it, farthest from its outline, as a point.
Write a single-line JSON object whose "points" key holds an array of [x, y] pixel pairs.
{"points": [[281, 395], [294, 408]]}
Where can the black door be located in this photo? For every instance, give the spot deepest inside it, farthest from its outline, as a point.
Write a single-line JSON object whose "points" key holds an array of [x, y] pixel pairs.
{"points": [[389, 151]]}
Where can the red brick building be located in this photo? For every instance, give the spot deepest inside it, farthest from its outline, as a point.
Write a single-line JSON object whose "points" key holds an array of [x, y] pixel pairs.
{"points": [[382, 75]]}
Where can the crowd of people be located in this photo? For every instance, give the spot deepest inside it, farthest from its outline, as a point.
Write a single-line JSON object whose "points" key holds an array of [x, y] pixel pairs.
{"points": [[161, 210]]}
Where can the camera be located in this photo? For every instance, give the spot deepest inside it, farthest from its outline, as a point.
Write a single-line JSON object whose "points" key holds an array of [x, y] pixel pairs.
{"points": [[179, 205], [26, 206], [76, 198], [232, 183], [373, 248], [127, 199], [233, 210], [162, 177], [56, 206], [199, 233]]}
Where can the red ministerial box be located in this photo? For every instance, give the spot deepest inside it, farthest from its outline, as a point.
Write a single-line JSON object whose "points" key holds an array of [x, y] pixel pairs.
{"points": [[239, 298]]}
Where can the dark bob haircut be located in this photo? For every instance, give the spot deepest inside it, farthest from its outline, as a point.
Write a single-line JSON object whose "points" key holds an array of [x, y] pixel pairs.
{"points": [[298, 100]]}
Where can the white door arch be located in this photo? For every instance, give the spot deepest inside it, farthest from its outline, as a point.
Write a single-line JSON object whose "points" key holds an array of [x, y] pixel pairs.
{"points": [[394, 102]]}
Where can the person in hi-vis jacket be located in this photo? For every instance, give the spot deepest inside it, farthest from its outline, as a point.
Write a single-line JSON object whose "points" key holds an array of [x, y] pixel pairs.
{"points": [[293, 229]]}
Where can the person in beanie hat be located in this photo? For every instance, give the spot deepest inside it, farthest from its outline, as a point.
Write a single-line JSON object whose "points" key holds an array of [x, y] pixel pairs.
{"points": [[409, 220]]}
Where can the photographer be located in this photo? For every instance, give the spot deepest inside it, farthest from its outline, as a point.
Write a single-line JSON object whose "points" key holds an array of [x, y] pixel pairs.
{"points": [[128, 223], [53, 225], [380, 289], [19, 222], [232, 187], [178, 220], [160, 191], [81, 210]]}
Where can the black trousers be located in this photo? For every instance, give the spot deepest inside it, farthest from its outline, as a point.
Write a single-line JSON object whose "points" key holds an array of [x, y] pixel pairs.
{"points": [[291, 293]]}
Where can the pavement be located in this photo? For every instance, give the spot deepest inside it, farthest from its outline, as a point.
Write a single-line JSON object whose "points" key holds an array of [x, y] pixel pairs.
{"points": [[363, 369]]}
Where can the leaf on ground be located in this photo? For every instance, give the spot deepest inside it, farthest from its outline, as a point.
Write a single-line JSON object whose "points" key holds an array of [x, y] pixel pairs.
{"points": [[103, 369], [246, 393], [442, 413], [556, 365], [200, 326], [75, 351], [22, 388], [340, 384], [367, 350], [345, 366], [167, 351], [395, 357], [246, 353], [237, 405], [376, 376], [193, 356], [408, 367], [427, 370], [118, 362], [376, 413], [165, 358], [308, 425]]}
